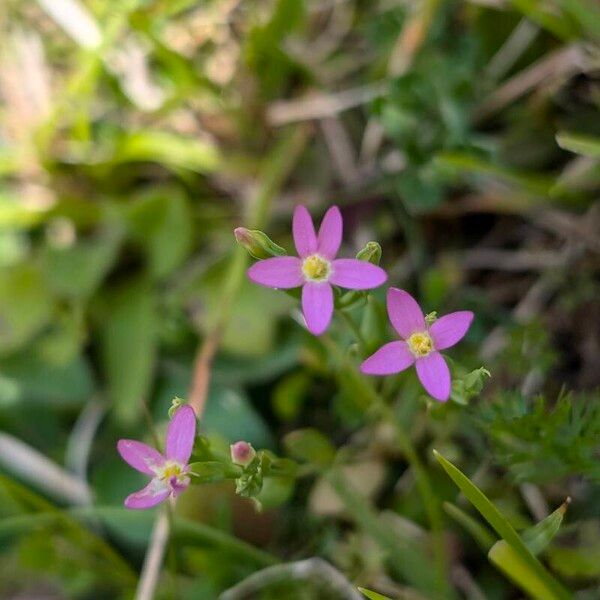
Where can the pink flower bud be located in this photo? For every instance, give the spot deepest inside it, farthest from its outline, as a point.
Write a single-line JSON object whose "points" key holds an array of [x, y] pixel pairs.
{"points": [[242, 453]]}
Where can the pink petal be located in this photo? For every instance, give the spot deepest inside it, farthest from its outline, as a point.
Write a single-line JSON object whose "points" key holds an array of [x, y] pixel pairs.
{"points": [[404, 312], [390, 358], [303, 230], [181, 434], [140, 456], [356, 274], [330, 233], [178, 486], [317, 306], [450, 329], [151, 495], [434, 375], [277, 272]]}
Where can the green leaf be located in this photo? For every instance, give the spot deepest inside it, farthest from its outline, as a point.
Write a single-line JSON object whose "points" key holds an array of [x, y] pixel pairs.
{"points": [[512, 564], [168, 149], [470, 385], [25, 305], [531, 183], [310, 446], [29, 377], [372, 595], [230, 414], [211, 472], [481, 534], [289, 394], [128, 336], [162, 223], [531, 566], [578, 143], [581, 562], [77, 271], [538, 537]]}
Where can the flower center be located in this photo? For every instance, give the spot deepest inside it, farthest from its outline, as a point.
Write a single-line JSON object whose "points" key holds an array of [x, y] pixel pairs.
{"points": [[170, 470], [420, 343], [316, 268]]}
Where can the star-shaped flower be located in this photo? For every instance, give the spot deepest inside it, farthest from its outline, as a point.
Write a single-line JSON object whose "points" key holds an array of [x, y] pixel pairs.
{"points": [[420, 344], [170, 472], [316, 268]]}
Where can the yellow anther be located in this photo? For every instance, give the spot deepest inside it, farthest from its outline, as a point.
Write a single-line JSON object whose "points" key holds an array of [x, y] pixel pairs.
{"points": [[316, 268], [170, 470], [420, 343]]}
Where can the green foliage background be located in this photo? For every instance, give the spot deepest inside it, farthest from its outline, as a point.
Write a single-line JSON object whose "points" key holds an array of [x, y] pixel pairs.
{"points": [[463, 136]]}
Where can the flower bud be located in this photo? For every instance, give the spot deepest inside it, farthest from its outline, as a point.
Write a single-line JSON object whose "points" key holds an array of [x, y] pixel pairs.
{"points": [[370, 253], [431, 317], [242, 453], [176, 403], [258, 244]]}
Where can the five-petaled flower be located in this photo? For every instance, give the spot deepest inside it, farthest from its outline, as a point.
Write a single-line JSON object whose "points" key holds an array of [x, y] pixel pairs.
{"points": [[170, 472], [316, 268], [420, 343]]}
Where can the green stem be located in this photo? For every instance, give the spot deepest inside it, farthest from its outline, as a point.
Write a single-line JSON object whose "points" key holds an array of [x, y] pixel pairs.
{"points": [[432, 506], [172, 551], [354, 328]]}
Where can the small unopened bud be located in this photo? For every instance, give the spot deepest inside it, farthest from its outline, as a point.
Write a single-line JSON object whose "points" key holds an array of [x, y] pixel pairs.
{"points": [[431, 317], [242, 453], [258, 244], [176, 403], [370, 253]]}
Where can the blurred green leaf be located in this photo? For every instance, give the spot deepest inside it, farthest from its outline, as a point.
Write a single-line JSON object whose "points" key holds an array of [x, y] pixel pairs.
{"points": [[485, 540], [264, 50], [532, 183], [162, 223], [230, 414], [580, 144], [169, 149], [78, 270], [128, 334], [25, 305], [210, 472], [309, 445], [580, 562], [288, 395], [34, 379], [372, 595]]}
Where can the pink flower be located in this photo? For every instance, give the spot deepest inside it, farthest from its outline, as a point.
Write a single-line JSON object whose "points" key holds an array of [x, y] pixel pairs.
{"points": [[316, 269], [169, 472], [420, 344]]}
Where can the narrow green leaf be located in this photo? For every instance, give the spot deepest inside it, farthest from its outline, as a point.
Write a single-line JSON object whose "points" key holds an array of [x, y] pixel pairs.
{"points": [[372, 595], [538, 537], [512, 564], [480, 533], [580, 144], [552, 588]]}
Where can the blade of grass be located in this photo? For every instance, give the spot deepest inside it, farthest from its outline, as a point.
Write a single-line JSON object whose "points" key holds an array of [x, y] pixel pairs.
{"points": [[553, 590]]}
